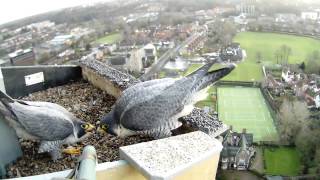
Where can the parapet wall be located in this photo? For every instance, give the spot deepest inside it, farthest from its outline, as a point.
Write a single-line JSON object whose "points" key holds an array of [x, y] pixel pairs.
{"points": [[105, 77], [22, 80]]}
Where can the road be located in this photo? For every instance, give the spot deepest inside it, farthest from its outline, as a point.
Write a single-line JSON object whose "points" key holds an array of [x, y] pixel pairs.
{"points": [[155, 68]]}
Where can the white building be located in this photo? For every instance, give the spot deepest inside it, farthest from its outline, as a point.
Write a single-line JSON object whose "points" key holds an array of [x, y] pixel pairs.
{"points": [[62, 39], [79, 32], [142, 58], [312, 15], [247, 7], [41, 25], [317, 101]]}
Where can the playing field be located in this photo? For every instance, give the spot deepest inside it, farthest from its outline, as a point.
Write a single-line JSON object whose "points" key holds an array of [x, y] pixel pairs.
{"points": [[110, 38], [267, 44], [244, 107], [283, 161]]}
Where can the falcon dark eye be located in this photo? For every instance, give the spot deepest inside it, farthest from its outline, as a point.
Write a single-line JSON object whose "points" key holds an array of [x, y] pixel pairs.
{"points": [[104, 126]]}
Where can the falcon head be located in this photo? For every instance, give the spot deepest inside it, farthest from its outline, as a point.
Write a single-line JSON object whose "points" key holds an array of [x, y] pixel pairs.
{"points": [[83, 129], [108, 125]]}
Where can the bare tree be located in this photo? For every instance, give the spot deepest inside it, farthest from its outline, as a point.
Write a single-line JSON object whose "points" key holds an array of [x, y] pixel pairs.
{"points": [[293, 117], [307, 142], [313, 65], [284, 52], [220, 34], [258, 57], [277, 55]]}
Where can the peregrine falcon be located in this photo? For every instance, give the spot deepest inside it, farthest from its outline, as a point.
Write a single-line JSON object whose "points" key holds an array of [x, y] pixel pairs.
{"points": [[49, 123], [154, 107]]}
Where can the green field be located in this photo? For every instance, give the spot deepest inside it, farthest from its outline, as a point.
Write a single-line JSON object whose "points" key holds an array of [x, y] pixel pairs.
{"points": [[110, 38], [192, 68], [267, 44], [282, 161], [244, 72], [244, 107]]}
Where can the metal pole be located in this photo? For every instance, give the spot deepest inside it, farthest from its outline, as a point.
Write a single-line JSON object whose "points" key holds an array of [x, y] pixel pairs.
{"points": [[87, 168]]}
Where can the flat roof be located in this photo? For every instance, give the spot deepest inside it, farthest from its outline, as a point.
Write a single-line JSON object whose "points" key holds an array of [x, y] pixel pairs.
{"points": [[19, 52]]}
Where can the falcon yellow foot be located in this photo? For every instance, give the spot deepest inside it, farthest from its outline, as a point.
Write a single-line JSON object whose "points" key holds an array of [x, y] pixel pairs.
{"points": [[72, 150]]}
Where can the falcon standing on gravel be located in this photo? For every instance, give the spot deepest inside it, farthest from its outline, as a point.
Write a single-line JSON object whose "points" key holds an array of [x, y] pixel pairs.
{"points": [[154, 107], [50, 123]]}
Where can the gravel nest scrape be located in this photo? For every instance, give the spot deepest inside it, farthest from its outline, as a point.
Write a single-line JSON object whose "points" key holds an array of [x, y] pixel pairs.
{"points": [[87, 103]]}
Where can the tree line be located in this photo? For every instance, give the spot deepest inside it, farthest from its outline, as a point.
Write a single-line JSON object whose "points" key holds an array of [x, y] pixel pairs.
{"points": [[298, 128]]}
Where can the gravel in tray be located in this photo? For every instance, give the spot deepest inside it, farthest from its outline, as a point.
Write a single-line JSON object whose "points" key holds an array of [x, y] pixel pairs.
{"points": [[87, 103]]}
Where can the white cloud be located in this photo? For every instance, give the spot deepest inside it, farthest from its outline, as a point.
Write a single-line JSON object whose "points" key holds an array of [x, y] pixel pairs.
{"points": [[16, 9]]}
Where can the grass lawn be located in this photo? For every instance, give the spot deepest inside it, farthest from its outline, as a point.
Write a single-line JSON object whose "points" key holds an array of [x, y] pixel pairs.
{"points": [[110, 38], [244, 72], [282, 161], [244, 107], [267, 44], [210, 101], [192, 68], [162, 74]]}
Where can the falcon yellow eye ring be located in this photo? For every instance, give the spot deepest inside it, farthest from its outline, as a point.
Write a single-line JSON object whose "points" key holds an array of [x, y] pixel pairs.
{"points": [[85, 126], [104, 126]]}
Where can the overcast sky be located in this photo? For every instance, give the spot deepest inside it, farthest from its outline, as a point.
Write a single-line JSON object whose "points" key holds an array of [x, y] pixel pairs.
{"points": [[16, 9]]}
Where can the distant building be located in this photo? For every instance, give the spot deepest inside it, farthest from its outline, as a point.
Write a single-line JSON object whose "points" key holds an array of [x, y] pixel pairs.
{"points": [[232, 53], [41, 25], [237, 150], [150, 55], [79, 32], [67, 54], [224, 10], [195, 44], [241, 22], [247, 7], [164, 45], [61, 40], [108, 48], [312, 15], [22, 57], [286, 17], [317, 101], [134, 60]]}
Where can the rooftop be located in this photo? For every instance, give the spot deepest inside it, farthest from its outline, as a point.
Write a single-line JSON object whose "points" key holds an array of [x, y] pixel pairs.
{"points": [[19, 52]]}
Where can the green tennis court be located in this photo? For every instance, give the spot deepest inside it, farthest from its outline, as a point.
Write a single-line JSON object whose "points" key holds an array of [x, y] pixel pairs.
{"points": [[244, 107]]}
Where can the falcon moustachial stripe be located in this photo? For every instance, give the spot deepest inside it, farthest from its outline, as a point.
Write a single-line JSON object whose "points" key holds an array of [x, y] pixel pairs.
{"points": [[47, 122], [153, 107]]}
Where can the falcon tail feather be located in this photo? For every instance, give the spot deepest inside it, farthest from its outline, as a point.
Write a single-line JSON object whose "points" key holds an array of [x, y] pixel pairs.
{"points": [[5, 97], [5, 108], [202, 70], [214, 76]]}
